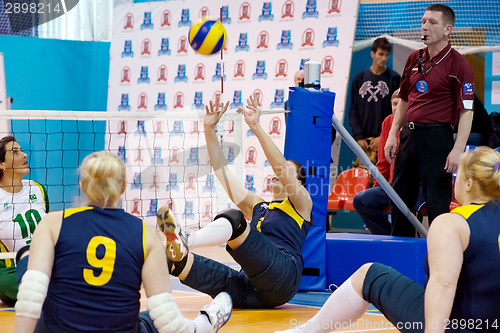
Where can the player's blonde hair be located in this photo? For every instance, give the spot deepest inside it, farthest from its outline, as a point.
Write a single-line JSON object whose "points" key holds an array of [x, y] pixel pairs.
{"points": [[482, 165], [103, 178]]}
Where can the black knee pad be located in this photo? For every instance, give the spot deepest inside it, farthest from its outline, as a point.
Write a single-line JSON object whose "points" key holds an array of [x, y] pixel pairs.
{"points": [[176, 268], [237, 220], [21, 252]]}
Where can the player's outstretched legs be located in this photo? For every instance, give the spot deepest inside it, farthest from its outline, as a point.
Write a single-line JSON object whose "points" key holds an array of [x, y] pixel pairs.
{"points": [[345, 305], [226, 226], [211, 318]]}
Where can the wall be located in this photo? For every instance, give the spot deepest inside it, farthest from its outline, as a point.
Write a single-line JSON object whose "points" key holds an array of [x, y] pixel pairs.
{"points": [[44, 74]]}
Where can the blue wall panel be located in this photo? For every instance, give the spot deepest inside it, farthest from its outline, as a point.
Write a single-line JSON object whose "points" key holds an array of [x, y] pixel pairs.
{"points": [[46, 74]]}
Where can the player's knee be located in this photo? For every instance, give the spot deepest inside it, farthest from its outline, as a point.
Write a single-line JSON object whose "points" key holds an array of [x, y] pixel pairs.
{"points": [[358, 278], [237, 220], [364, 268], [357, 201], [360, 274]]}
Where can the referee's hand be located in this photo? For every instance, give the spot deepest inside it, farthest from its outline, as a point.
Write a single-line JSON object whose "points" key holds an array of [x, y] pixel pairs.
{"points": [[452, 160], [391, 145]]}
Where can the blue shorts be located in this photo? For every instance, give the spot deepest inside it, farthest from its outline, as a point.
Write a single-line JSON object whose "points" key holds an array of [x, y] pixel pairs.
{"points": [[144, 325], [398, 297], [268, 277]]}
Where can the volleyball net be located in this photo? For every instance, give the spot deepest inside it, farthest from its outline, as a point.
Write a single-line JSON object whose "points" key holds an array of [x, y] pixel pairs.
{"points": [[476, 26], [165, 154]]}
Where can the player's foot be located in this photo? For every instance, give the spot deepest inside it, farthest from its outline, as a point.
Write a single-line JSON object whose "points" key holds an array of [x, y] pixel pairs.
{"points": [[219, 311], [177, 237]]}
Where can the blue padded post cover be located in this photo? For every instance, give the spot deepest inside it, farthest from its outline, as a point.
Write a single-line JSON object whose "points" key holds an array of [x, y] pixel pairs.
{"points": [[308, 141]]}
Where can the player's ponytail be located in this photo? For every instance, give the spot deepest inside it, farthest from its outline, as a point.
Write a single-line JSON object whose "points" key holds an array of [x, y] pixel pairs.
{"points": [[483, 166]]}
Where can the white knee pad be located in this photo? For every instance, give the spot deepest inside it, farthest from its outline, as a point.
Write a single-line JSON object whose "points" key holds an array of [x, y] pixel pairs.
{"points": [[31, 294], [165, 313]]}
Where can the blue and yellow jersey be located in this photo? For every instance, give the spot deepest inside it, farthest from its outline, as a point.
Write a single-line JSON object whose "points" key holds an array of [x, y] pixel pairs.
{"points": [[478, 289], [281, 223], [96, 276]]}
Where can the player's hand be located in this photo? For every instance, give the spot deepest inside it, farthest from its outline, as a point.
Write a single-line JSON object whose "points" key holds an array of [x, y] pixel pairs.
{"points": [[251, 112], [391, 146], [452, 160], [213, 114]]}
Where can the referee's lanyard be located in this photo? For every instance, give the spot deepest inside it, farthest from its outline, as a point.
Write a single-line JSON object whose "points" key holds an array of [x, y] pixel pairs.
{"points": [[421, 64]]}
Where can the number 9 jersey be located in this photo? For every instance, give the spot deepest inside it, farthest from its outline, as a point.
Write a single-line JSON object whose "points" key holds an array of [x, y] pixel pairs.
{"points": [[97, 271], [20, 214]]}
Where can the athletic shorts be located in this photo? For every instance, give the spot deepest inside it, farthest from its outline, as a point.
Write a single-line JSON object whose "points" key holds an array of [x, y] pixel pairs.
{"points": [[8, 285], [268, 277]]}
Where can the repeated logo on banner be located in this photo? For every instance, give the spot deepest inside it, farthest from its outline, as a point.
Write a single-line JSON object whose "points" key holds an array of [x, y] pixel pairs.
{"points": [[153, 69]]}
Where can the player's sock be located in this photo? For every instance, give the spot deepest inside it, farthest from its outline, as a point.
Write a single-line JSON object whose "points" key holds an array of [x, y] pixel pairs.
{"points": [[202, 324], [215, 233], [191, 326], [342, 308]]}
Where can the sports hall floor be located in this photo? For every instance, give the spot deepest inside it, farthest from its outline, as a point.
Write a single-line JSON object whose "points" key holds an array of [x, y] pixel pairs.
{"points": [[302, 307]]}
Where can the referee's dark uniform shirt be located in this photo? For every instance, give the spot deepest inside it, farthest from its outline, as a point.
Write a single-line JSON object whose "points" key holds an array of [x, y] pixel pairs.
{"points": [[439, 95]]}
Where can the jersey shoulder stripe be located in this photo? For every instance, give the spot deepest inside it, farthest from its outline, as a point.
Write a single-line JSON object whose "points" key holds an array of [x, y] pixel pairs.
{"points": [[466, 211], [70, 211], [287, 207]]}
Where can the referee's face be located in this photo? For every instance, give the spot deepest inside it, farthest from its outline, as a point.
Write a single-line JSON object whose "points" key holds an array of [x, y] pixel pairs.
{"points": [[434, 28]]}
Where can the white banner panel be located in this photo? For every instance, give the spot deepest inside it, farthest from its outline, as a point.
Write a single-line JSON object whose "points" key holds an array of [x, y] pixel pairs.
{"points": [[153, 69]]}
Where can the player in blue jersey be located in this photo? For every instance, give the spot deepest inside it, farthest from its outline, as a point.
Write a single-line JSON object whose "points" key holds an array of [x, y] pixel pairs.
{"points": [[268, 249], [87, 264], [462, 293]]}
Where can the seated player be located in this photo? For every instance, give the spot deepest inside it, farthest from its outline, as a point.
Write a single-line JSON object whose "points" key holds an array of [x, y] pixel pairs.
{"points": [[24, 202], [268, 249], [463, 289], [87, 264]]}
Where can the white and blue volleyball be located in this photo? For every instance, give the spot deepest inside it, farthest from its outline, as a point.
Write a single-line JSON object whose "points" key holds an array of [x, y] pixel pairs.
{"points": [[207, 36]]}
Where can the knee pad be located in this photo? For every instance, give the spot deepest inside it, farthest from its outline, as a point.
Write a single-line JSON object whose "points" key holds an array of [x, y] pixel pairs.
{"points": [[237, 220], [165, 313]]}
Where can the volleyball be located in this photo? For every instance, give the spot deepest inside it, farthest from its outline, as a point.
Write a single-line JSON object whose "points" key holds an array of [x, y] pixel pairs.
{"points": [[207, 36]]}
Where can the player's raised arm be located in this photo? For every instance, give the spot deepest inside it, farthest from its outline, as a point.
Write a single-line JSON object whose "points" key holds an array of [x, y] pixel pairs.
{"points": [[285, 170], [239, 195]]}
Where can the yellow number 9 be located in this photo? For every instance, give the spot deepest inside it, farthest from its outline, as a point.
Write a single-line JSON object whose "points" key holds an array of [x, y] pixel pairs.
{"points": [[106, 263]]}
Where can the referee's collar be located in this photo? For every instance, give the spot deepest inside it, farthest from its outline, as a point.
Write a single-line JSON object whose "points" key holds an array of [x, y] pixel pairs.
{"points": [[440, 56]]}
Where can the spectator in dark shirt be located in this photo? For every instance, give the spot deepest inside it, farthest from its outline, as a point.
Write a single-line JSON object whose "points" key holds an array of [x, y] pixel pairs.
{"points": [[371, 93]]}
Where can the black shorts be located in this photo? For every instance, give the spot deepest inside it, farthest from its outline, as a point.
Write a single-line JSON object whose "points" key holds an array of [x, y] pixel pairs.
{"points": [[268, 278], [398, 297]]}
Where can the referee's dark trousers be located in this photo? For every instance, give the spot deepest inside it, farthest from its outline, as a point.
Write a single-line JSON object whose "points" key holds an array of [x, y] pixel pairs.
{"points": [[421, 157]]}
